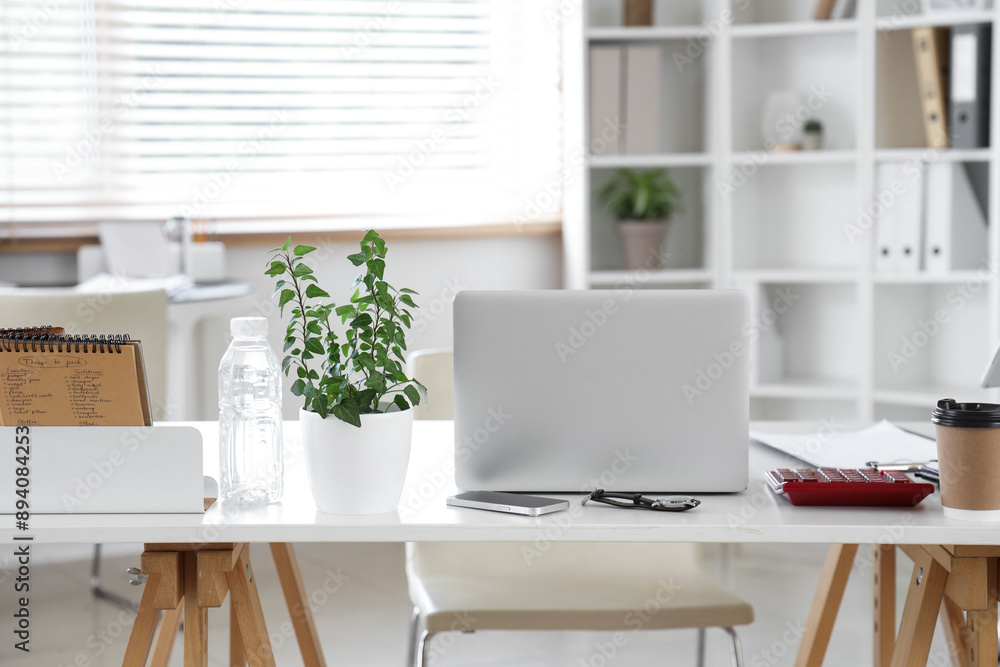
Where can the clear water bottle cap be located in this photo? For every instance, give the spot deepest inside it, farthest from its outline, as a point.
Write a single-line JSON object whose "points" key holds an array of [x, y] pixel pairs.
{"points": [[248, 327]]}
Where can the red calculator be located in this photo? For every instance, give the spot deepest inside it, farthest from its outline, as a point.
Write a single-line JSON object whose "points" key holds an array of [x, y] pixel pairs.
{"points": [[847, 486]]}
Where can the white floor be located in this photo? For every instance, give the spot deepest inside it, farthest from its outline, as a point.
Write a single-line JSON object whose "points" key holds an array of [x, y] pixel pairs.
{"points": [[363, 622]]}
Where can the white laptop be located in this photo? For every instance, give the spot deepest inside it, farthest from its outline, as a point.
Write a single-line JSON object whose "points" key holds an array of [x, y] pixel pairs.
{"points": [[568, 391]]}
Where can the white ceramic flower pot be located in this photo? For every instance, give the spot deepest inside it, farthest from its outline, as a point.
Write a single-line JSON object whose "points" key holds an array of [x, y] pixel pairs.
{"points": [[357, 470]]}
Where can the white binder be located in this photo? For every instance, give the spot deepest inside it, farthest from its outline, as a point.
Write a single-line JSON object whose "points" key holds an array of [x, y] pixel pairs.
{"points": [[909, 203], [956, 236], [887, 218], [103, 469]]}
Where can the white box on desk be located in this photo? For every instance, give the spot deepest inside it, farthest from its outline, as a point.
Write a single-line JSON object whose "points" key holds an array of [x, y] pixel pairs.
{"points": [[208, 262], [102, 469]]}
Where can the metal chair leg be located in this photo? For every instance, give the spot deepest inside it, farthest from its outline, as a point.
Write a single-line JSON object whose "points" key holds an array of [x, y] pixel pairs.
{"points": [[737, 649], [701, 648], [102, 594], [411, 650], [424, 648]]}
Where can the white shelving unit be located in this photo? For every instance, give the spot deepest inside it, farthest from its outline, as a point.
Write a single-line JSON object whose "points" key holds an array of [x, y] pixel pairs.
{"points": [[854, 344]]}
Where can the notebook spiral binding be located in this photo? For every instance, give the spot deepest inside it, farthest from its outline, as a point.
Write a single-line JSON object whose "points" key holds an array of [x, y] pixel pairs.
{"points": [[11, 332], [23, 341]]}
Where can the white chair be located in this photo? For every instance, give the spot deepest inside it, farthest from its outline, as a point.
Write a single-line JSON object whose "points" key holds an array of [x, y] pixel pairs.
{"points": [[464, 587], [142, 315], [434, 368]]}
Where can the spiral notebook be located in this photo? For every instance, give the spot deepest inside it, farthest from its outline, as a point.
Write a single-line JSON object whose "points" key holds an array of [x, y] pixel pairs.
{"points": [[49, 378]]}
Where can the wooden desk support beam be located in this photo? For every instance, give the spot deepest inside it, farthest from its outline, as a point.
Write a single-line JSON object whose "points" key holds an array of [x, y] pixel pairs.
{"points": [[141, 638], [298, 604], [923, 601], [249, 614], [187, 579], [823, 614], [884, 586], [168, 566]]}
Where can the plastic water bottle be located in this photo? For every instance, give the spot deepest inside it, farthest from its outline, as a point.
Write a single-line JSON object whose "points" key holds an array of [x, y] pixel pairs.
{"points": [[250, 416]]}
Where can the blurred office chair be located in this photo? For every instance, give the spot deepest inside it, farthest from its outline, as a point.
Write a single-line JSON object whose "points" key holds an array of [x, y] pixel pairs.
{"points": [[142, 315], [464, 587], [434, 368]]}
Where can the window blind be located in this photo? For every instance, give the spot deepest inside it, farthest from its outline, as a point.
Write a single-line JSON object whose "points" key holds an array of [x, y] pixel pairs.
{"points": [[253, 113]]}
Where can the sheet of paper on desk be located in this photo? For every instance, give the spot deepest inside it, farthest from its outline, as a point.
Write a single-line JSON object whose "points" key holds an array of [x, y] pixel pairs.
{"points": [[883, 442]]}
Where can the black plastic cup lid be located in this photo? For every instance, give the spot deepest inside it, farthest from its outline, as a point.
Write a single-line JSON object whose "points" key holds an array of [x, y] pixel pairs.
{"points": [[950, 412]]}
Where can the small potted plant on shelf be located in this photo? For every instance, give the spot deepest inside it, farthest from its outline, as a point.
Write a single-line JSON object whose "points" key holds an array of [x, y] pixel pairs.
{"points": [[356, 419], [642, 203]]}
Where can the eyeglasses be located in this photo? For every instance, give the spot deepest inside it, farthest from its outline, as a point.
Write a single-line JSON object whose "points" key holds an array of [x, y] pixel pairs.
{"points": [[636, 501]]}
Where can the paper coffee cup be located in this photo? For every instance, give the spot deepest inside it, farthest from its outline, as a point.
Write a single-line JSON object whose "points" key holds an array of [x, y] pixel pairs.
{"points": [[968, 444]]}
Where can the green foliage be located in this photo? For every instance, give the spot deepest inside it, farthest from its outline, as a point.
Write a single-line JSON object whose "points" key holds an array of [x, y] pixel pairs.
{"points": [[636, 195], [360, 370]]}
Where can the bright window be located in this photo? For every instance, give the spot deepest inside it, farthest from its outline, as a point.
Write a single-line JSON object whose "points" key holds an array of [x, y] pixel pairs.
{"points": [[265, 113]]}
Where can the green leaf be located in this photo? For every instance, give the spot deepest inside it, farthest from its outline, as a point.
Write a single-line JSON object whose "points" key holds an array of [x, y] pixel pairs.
{"points": [[366, 361], [401, 402], [302, 250], [370, 236], [288, 243], [385, 301], [276, 268], [314, 291], [357, 259], [412, 394], [407, 290], [366, 397], [405, 298], [314, 345], [321, 405], [286, 296], [286, 362], [376, 381], [377, 267], [301, 270], [289, 342], [345, 311], [347, 414], [298, 387], [362, 320]]}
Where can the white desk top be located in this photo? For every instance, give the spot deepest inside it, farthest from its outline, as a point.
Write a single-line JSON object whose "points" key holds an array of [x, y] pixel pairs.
{"points": [[755, 515]]}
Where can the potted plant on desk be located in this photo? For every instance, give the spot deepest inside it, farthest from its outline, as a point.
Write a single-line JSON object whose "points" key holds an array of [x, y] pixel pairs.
{"points": [[356, 420], [642, 203]]}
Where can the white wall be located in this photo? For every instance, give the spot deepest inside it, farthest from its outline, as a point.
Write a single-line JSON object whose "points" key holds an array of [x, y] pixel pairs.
{"points": [[435, 268]]}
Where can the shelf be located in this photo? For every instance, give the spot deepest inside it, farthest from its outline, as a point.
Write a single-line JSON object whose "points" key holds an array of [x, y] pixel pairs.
{"points": [[946, 155], [793, 28], [641, 161], [764, 158], [928, 395], [664, 277], [798, 276], [645, 34], [934, 20], [808, 388], [953, 278]]}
